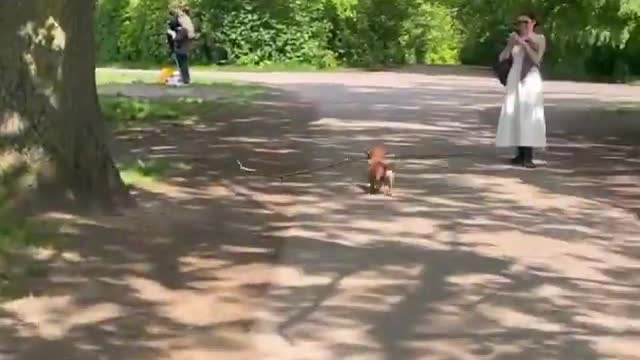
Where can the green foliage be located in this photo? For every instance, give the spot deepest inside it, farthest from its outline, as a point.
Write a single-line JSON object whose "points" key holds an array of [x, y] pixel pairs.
{"points": [[109, 22], [586, 38], [431, 35], [121, 109], [268, 31], [142, 36], [17, 233], [124, 111], [144, 169], [140, 172], [131, 30], [18, 238], [594, 39], [322, 33]]}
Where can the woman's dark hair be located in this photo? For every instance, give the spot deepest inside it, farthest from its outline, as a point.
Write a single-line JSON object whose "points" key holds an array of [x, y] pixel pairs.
{"points": [[531, 15]]}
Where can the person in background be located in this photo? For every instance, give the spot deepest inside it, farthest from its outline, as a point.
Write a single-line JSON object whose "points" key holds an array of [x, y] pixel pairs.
{"points": [[522, 120], [180, 34]]}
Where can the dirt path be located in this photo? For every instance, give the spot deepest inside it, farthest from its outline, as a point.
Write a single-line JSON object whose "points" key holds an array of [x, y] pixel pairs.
{"points": [[471, 259], [184, 275]]}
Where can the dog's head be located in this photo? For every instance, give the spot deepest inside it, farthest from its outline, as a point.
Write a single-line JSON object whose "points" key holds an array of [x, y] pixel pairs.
{"points": [[377, 153]]}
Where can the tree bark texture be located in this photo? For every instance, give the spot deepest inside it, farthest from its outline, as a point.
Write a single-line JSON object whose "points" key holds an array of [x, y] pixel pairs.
{"points": [[49, 110]]}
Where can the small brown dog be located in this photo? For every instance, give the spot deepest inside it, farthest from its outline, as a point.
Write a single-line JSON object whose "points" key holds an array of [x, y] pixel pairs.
{"points": [[380, 176]]}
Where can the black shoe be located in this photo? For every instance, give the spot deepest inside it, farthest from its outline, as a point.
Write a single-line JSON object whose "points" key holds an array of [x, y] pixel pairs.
{"points": [[528, 158], [519, 159]]}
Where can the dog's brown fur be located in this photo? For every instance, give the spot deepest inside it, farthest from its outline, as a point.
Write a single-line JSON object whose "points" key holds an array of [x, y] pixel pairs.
{"points": [[380, 176]]}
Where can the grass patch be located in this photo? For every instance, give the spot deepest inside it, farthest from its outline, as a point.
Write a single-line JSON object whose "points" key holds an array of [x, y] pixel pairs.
{"points": [[153, 101], [123, 111], [125, 76], [283, 67], [622, 107], [109, 76], [274, 67], [18, 235], [226, 90], [19, 239], [627, 108], [143, 172]]}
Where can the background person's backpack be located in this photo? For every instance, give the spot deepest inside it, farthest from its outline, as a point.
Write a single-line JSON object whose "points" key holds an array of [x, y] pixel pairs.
{"points": [[173, 25], [187, 25]]}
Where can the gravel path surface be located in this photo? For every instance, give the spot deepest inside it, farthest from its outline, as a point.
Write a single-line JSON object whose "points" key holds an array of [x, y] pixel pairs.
{"points": [[470, 259]]}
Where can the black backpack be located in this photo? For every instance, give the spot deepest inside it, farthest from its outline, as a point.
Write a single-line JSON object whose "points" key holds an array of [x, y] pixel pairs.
{"points": [[502, 68]]}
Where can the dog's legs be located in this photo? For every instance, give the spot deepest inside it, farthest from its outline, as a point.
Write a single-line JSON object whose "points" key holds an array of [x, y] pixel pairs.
{"points": [[372, 186], [389, 176]]}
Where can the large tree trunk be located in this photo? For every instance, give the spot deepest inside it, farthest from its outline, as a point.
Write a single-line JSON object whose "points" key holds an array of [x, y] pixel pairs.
{"points": [[49, 111]]}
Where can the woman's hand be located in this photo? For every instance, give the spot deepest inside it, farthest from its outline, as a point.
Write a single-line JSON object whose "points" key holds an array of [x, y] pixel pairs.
{"points": [[515, 39], [521, 41], [534, 48]]}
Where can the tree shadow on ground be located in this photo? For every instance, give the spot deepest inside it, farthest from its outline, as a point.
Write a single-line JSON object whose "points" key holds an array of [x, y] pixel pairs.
{"points": [[444, 70], [545, 244], [470, 259], [152, 281]]}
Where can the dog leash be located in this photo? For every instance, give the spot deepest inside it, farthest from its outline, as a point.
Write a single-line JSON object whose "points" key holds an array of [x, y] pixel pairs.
{"points": [[284, 176], [427, 157], [345, 161]]}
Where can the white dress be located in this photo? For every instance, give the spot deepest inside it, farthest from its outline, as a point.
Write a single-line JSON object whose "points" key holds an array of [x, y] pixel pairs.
{"points": [[522, 120]]}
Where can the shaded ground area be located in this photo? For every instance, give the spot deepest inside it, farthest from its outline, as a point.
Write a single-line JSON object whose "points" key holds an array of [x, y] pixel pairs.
{"points": [[471, 259], [182, 276]]}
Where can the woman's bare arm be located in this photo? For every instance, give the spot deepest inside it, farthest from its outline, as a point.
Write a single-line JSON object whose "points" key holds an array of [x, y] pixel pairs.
{"points": [[533, 53], [506, 52], [511, 42]]}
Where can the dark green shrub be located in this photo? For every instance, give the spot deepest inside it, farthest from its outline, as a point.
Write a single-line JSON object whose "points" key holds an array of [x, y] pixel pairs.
{"points": [[322, 33], [586, 40], [142, 36], [109, 21]]}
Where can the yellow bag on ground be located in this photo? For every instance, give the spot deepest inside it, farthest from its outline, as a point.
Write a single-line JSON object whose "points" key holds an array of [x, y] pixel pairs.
{"points": [[165, 73]]}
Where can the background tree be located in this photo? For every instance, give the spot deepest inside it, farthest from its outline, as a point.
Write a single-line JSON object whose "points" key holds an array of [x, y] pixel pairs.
{"points": [[50, 120], [593, 39], [587, 38]]}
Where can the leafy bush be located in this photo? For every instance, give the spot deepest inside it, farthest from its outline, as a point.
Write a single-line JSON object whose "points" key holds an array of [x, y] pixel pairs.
{"points": [[109, 22], [267, 31], [431, 35], [245, 32], [142, 35], [586, 39], [322, 33]]}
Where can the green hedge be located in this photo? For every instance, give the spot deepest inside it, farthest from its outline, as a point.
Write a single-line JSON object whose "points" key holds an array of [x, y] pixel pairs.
{"points": [[587, 39], [323, 33]]}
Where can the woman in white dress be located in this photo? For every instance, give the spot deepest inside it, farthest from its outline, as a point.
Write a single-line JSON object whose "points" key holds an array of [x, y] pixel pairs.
{"points": [[522, 121]]}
